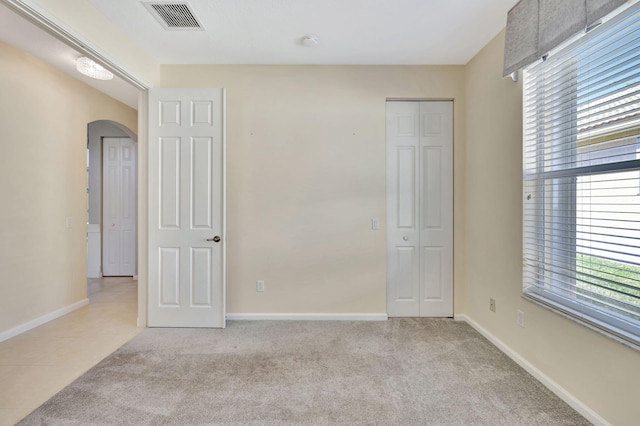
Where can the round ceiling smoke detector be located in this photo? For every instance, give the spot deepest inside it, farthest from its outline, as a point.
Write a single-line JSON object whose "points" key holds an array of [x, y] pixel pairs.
{"points": [[310, 40]]}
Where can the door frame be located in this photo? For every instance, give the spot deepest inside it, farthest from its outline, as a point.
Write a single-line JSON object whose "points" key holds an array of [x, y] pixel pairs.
{"points": [[143, 205], [95, 138]]}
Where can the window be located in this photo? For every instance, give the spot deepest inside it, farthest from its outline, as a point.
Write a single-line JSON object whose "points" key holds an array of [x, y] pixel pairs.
{"points": [[581, 179]]}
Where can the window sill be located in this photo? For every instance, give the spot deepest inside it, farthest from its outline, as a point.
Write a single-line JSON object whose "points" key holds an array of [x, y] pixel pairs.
{"points": [[623, 337]]}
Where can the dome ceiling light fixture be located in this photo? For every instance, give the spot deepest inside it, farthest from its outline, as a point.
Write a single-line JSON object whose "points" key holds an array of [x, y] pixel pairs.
{"points": [[91, 69], [310, 40]]}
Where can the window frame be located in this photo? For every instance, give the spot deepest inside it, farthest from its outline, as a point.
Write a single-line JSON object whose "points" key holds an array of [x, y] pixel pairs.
{"points": [[547, 291]]}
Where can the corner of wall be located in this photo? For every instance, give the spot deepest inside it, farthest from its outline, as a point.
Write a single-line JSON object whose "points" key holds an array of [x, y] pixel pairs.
{"points": [[559, 352]]}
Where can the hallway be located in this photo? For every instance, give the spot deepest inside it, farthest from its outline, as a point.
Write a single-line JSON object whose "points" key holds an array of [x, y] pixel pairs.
{"points": [[39, 363]]}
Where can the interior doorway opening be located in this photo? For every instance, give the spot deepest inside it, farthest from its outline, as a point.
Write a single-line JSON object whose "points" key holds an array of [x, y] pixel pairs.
{"points": [[97, 133]]}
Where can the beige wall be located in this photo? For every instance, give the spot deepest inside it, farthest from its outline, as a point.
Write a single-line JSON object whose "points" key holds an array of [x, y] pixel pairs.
{"points": [[43, 138], [601, 373], [306, 173]]}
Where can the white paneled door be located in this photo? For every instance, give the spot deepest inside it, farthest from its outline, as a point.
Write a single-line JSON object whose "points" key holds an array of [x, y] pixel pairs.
{"points": [[420, 208], [118, 207], [186, 208]]}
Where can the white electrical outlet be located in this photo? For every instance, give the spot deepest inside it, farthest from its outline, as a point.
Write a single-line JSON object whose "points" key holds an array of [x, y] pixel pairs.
{"points": [[375, 224], [520, 318], [492, 305], [260, 285]]}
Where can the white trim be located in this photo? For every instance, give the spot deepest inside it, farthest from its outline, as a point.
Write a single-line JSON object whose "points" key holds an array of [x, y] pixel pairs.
{"points": [[307, 317], [142, 171], [13, 332], [224, 208], [554, 387]]}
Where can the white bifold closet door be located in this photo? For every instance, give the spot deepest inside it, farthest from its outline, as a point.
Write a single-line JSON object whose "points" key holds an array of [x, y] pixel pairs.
{"points": [[119, 200], [419, 208]]}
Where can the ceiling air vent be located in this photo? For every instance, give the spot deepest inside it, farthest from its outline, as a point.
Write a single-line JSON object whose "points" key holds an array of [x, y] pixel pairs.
{"points": [[174, 15]]}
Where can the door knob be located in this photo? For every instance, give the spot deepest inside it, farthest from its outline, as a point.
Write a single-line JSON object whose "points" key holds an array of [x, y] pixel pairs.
{"points": [[215, 239], [405, 238]]}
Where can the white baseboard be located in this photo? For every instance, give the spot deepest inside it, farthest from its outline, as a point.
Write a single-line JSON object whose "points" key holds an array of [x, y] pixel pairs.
{"points": [[41, 320], [554, 387], [307, 317]]}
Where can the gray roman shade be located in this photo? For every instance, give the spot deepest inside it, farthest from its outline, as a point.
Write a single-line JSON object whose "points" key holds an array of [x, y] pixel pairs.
{"points": [[534, 27], [521, 38], [558, 20]]}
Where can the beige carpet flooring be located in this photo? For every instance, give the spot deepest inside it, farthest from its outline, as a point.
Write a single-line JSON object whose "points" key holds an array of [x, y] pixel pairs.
{"points": [[396, 372]]}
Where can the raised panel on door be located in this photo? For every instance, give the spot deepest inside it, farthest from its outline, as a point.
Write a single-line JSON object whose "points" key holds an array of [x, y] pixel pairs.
{"points": [[432, 280], [406, 187], [186, 167], [169, 182], [404, 293], [432, 187], [201, 275], [201, 179], [128, 252], [169, 277], [112, 252]]}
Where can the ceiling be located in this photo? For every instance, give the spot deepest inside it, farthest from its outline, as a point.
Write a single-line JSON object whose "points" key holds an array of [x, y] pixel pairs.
{"points": [[366, 32], [381, 32]]}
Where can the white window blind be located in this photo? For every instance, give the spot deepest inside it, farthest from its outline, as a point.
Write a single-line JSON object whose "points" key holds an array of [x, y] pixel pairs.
{"points": [[581, 215]]}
